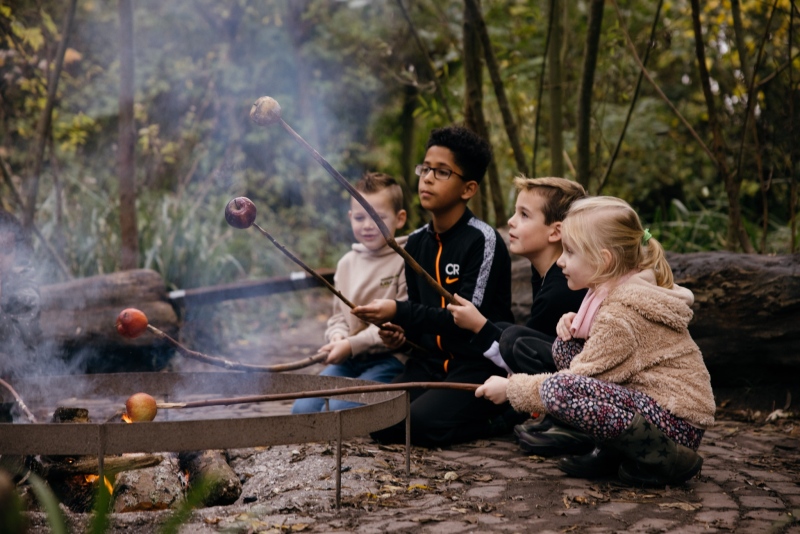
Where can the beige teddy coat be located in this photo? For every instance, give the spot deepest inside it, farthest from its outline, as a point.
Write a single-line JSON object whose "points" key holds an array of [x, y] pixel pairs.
{"points": [[639, 339]]}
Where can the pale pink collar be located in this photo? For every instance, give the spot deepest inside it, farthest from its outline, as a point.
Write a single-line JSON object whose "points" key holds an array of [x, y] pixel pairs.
{"points": [[582, 322]]}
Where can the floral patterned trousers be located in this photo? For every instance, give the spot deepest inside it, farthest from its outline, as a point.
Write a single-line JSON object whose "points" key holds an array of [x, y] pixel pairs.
{"points": [[604, 409]]}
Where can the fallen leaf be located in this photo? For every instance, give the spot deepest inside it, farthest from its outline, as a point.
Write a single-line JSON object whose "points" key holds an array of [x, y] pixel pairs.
{"points": [[459, 510], [451, 475], [483, 478], [689, 507]]}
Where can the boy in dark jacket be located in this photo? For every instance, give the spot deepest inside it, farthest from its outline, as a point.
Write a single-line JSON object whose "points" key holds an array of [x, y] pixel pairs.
{"points": [[468, 257]]}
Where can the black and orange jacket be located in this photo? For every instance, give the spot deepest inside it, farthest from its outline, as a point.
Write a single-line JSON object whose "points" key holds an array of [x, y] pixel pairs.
{"points": [[469, 259]]}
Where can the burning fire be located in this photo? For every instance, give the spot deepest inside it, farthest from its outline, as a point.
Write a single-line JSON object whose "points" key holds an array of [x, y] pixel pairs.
{"points": [[126, 418], [91, 479]]}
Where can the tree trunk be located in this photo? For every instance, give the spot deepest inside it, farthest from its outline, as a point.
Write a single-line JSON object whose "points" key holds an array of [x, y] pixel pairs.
{"points": [[556, 92], [738, 34], [732, 183], [499, 90], [474, 118], [540, 91], [127, 141], [590, 52], [408, 179]]}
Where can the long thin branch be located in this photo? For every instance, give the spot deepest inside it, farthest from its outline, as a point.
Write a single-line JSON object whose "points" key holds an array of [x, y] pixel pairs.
{"points": [[18, 399], [751, 96], [18, 199], [618, 146], [237, 366], [428, 62], [319, 278], [46, 116], [541, 87], [378, 388], [390, 240], [658, 90]]}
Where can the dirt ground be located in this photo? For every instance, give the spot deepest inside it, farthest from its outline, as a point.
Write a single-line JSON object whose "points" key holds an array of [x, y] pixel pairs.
{"points": [[750, 481]]}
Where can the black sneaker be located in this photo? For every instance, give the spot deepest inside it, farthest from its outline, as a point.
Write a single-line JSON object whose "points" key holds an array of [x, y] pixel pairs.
{"points": [[534, 425], [601, 462], [557, 441]]}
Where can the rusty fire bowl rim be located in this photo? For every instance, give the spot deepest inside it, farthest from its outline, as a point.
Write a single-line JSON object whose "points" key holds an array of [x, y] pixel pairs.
{"points": [[380, 410]]}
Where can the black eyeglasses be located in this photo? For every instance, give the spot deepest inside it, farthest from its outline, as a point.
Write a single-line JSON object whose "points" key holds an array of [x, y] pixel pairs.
{"points": [[439, 174]]}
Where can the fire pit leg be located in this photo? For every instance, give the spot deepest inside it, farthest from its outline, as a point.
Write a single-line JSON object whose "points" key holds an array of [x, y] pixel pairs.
{"points": [[408, 434], [101, 451], [339, 461]]}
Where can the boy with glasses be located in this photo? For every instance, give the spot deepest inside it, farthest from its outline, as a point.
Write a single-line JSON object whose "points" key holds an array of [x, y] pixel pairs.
{"points": [[468, 257]]}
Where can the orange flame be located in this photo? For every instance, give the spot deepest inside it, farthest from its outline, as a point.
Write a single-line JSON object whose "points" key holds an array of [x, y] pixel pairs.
{"points": [[91, 479], [126, 418]]}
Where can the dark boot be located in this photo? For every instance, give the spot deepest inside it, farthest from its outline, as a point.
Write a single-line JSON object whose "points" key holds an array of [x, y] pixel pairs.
{"points": [[558, 440], [539, 425], [651, 458], [601, 462]]}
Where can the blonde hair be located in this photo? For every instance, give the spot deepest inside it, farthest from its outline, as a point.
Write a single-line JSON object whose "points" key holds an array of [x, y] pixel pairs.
{"points": [[597, 223], [558, 194]]}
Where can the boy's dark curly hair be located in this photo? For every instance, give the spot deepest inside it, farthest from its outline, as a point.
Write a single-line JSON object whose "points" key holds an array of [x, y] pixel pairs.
{"points": [[471, 152]]}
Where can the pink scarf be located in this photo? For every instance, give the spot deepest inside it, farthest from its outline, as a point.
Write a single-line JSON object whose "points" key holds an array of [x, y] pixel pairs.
{"points": [[582, 322]]}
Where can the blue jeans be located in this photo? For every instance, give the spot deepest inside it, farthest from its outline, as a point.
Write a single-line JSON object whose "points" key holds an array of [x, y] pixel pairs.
{"points": [[378, 369]]}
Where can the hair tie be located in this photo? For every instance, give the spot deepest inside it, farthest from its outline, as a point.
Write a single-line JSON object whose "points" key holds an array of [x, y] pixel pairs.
{"points": [[647, 235]]}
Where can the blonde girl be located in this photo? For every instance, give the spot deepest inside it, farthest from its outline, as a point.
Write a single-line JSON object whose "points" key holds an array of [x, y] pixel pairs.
{"points": [[630, 374]]}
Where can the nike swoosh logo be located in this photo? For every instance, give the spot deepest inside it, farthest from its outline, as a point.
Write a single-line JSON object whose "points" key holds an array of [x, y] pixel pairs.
{"points": [[449, 280]]}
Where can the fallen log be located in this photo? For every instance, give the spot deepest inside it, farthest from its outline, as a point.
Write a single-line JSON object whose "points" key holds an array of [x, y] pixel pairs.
{"points": [[746, 313]]}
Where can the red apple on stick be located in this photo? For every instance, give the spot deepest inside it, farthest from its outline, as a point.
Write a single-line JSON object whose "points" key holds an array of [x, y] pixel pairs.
{"points": [[131, 323], [141, 407], [240, 212]]}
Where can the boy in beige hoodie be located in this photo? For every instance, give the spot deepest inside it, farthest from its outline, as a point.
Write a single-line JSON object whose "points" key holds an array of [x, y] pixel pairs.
{"points": [[371, 270]]}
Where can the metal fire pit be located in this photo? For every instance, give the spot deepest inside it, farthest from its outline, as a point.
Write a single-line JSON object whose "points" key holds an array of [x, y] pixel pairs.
{"points": [[177, 430]]}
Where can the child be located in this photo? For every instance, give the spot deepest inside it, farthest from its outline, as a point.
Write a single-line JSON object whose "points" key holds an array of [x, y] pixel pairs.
{"points": [[468, 257], [638, 385], [20, 334], [535, 234], [370, 270]]}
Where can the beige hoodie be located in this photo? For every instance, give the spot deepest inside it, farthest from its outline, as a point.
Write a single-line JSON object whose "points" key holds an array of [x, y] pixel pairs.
{"points": [[363, 276], [640, 340]]}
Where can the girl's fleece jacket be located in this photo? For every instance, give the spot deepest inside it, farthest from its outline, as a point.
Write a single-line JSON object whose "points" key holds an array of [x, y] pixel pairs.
{"points": [[640, 340]]}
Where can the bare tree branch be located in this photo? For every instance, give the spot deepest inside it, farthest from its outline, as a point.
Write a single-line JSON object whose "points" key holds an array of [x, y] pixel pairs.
{"points": [[499, 89], [428, 62], [45, 119], [732, 183], [540, 92], [618, 146], [666, 100]]}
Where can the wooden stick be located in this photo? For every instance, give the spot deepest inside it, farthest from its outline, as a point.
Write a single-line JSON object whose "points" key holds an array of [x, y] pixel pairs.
{"points": [[267, 111], [322, 280], [237, 366], [320, 393], [306, 268], [20, 403]]}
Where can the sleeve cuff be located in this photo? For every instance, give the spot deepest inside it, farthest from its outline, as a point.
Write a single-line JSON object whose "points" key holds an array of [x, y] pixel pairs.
{"points": [[486, 336]]}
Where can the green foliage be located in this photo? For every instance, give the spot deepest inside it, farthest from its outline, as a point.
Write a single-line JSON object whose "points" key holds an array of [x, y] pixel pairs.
{"points": [[49, 503], [341, 72]]}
